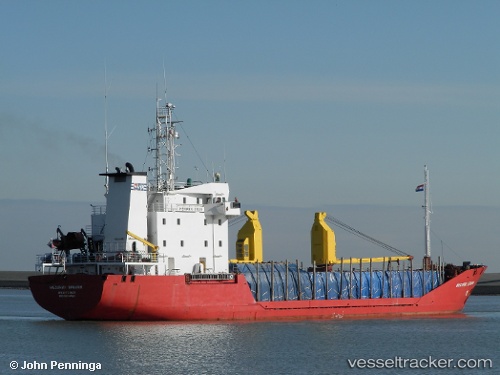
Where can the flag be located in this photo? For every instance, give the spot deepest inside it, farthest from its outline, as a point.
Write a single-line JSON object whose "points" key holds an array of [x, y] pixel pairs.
{"points": [[420, 188]]}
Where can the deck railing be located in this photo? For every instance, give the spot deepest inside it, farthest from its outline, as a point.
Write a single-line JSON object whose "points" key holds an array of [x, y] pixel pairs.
{"points": [[59, 259]]}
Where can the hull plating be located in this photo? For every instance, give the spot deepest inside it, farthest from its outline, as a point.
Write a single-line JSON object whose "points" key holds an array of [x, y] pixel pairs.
{"points": [[116, 297]]}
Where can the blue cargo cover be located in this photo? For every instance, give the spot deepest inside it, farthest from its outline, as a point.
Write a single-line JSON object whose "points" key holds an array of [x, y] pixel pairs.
{"points": [[335, 284]]}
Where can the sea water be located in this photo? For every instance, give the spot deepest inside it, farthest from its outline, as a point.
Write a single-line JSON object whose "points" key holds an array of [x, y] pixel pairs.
{"points": [[33, 341]]}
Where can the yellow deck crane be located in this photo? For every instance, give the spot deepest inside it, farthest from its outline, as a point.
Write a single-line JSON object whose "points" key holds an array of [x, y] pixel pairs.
{"points": [[323, 246]]}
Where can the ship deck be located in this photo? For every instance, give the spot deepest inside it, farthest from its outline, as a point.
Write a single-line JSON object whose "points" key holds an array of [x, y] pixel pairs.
{"points": [[489, 284]]}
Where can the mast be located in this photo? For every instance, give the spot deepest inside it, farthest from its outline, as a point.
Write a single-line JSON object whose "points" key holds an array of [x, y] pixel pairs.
{"points": [[428, 211], [171, 146], [106, 183], [165, 135]]}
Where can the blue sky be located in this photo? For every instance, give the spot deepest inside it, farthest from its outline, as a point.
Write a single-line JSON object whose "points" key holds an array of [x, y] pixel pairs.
{"points": [[303, 104]]}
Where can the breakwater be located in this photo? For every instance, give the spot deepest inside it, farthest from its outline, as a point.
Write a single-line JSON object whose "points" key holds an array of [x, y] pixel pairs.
{"points": [[15, 279]]}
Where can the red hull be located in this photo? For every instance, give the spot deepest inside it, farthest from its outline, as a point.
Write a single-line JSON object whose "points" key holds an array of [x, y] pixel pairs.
{"points": [[113, 297]]}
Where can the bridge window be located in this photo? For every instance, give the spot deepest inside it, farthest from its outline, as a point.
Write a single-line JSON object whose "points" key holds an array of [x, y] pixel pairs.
{"points": [[164, 243], [182, 243], [206, 243], [164, 221], [220, 243], [178, 221]]}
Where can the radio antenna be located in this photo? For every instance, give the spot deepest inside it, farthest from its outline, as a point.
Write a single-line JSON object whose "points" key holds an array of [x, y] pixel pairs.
{"points": [[164, 81]]}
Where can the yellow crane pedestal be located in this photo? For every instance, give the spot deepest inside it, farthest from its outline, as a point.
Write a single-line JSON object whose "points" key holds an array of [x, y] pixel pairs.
{"points": [[249, 240]]}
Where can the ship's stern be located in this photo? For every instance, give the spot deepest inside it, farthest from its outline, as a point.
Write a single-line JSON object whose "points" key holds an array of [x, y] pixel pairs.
{"points": [[71, 297]]}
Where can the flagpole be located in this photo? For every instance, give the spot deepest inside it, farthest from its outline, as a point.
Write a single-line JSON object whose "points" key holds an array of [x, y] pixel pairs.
{"points": [[427, 209]]}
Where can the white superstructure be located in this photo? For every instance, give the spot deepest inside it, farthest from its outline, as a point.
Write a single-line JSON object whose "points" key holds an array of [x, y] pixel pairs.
{"points": [[155, 226], [189, 223]]}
